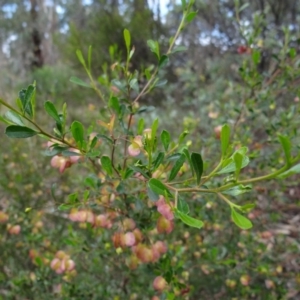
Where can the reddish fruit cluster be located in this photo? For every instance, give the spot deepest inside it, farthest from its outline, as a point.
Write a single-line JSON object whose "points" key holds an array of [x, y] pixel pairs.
{"points": [[87, 216], [13, 229], [62, 263], [149, 253], [62, 162], [159, 283], [165, 209], [243, 49], [3, 217], [164, 225]]}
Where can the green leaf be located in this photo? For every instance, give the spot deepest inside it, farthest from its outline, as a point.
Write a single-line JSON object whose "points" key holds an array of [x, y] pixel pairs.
{"points": [[127, 173], [14, 118], [114, 104], [107, 165], [244, 6], [19, 132], [240, 220], [238, 190], [186, 152], [154, 47], [154, 129], [93, 142], [183, 4], [165, 139], [32, 100], [103, 136], [90, 57], [159, 159], [152, 196], [80, 82], [139, 170], [52, 112], [127, 39], [190, 17], [121, 85], [246, 208], [179, 49], [163, 61], [229, 164], [25, 97], [158, 187], [256, 57], [287, 146], [182, 136], [77, 132], [294, 170], [238, 160], [177, 166], [93, 153], [160, 83], [69, 153], [225, 135], [293, 52], [141, 126], [197, 163], [182, 206], [4, 120], [80, 57], [134, 84], [192, 222], [67, 206]]}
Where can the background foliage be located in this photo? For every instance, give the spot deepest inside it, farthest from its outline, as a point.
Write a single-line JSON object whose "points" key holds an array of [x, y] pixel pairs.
{"points": [[241, 67]]}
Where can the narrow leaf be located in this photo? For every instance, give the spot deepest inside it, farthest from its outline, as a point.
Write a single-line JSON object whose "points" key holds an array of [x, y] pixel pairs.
{"points": [[69, 153], [225, 135], [197, 163], [139, 170], [189, 220], [78, 81], [19, 132], [229, 165], [247, 207], [238, 190], [294, 170], [158, 187], [190, 17], [182, 206], [127, 39], [107, 165], [163, 61], [177, 166], [77, 132], [80, 57], [141, 125], [186, 152], [52, 112], [182, 136], [238, 161], [287, 146], [179, 49], [154, 129], [165, 139], [114, 103], [159, 159], [14, 118], [90, 57], [152, 195], [240, 220]]}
